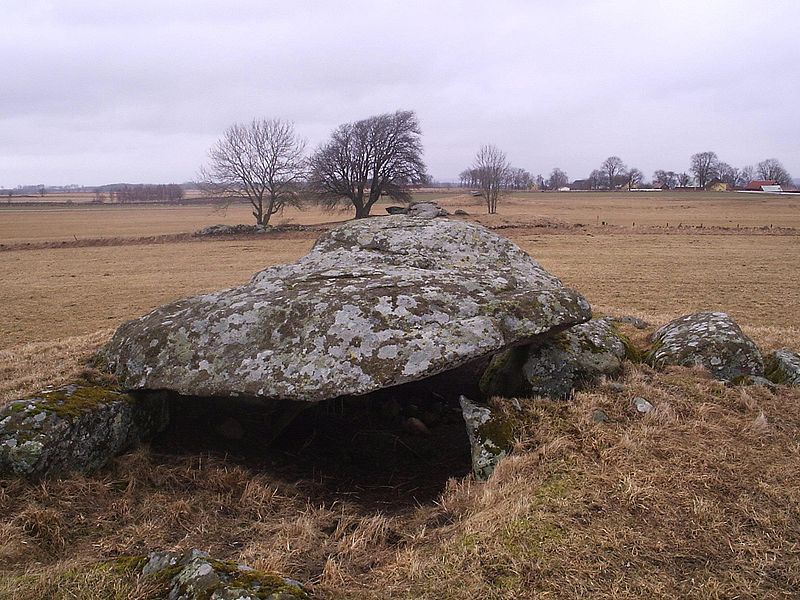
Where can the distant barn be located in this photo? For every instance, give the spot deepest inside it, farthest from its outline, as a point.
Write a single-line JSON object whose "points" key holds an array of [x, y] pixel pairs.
{"points": [[717, 185], [763, 185]]}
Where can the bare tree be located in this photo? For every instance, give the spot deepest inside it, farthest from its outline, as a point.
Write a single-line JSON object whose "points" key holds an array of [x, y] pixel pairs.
{"points": [[596, 179], [747, 174], [728, 175], [519, 179], [557, 179], [492, 169], [261, 162], [467, 178], [635, 178], [374, 157], [684, 179], [611, 168], [663, 178], [773, 169], [705, 166]]}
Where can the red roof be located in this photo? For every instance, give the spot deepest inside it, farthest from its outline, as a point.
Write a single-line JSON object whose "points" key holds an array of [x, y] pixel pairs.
{"points": [[756, 184]]}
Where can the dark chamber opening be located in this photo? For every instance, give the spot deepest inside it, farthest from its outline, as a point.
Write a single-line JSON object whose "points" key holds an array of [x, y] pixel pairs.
{"points": [[388, 450]]}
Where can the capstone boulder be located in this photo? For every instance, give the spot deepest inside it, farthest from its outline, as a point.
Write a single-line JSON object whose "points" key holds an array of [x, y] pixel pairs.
{"points": [[709, 339], [376, 303]]}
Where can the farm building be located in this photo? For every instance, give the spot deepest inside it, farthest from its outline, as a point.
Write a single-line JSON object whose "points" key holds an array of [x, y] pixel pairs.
{"points": [[763, 185], [717, 185]]}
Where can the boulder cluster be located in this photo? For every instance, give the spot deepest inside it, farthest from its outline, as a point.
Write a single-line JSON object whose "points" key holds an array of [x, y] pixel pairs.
{"points": [[376, 304]]}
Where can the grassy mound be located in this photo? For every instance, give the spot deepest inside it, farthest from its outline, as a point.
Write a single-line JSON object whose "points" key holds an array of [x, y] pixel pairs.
{"points": [[698, 498]]}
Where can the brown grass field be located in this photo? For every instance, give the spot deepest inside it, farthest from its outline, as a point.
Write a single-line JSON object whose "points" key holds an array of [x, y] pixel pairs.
{"points": [[699, 499]]}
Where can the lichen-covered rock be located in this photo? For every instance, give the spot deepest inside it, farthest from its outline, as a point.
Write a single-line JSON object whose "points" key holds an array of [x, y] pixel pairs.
{"points": [[630, 320], [222, 229], [194, 575], [78, 427], [783, 367], [709, 339], [490, 437], [557, 366], [427, 210], [376, 303]]}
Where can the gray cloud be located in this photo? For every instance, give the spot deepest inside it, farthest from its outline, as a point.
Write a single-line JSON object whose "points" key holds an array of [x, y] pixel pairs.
{"points": [[99, 91]]}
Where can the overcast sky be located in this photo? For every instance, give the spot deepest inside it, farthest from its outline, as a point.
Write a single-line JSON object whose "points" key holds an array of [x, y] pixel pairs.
{"points": [[101, 91]]}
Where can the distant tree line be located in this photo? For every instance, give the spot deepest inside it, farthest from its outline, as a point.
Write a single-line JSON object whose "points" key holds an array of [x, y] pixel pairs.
{"points": [[129, 194], [491, 175], [514, 178], [705, 169]]}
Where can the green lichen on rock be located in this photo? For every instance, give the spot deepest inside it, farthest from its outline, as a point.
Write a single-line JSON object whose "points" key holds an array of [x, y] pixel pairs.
{"points": [[194, 575], [77, 427], [633, 353], [708, 339], [70, 402], [557, 366], [504, 375], [783, 367]]}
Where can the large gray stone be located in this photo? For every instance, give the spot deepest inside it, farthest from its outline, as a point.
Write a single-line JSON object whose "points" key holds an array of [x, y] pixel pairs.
{"points": [[709, 339], [376, 303], [78, 427], [557, 366], [783, 367], [428, 210]]}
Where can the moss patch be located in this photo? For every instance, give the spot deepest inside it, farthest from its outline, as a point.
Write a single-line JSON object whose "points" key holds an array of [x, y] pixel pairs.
{"points": [[71, 403], [504, 375], [499, 431], [258, 583]]}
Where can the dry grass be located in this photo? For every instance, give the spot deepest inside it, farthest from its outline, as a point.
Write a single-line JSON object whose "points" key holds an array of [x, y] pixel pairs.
{"points": [[697, 499], [28, 368], [57, 293], [640, 209], [628, 210]]}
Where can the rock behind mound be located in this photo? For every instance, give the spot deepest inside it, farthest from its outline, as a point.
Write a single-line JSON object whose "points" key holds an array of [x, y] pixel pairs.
{"points": [[376, 303], [709, 339]]}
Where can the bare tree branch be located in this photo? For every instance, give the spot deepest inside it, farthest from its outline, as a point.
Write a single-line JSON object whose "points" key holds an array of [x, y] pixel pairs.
{"points": [[374, 157], [491, 170], [261, 162]]}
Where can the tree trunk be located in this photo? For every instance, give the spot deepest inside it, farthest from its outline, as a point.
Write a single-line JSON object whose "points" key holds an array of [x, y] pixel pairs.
{"points": [[362, 211], [258, 211]]}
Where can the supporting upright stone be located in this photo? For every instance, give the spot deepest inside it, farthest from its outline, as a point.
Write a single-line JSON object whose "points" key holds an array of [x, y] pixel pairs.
{"points": [[557, 366], [490, 437], [77, 427]]}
